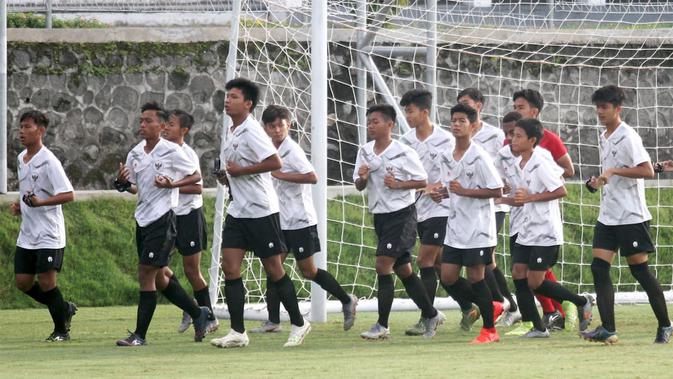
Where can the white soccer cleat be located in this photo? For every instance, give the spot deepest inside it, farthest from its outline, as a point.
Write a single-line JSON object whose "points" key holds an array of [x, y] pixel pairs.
{"points": [[431, 324], [509, 318], [267, 327], [377, 332], [213, 325], [233, 339], [297, 334], [185, 323]]}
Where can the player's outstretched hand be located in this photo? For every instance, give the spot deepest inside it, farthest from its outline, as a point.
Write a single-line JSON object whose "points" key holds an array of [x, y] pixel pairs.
{"points": [[163, 181], [15, 209]]}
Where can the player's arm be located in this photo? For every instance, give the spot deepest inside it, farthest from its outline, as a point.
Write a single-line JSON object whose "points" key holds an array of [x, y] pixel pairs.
{"points": [[476, 193], [192, 189], [642, 171], [58, 199], [123, 180], [392, 183], [271, 163], [165, 182], [567, 165], [521, 196], [363, 176], [508, 200], [295, 177], [665, 166]]}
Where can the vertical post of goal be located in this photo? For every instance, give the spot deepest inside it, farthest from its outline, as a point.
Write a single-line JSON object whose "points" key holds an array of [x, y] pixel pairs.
{"points": [[361, 90], [3, 97], [214, 270], [319, 63], [431, 55]]}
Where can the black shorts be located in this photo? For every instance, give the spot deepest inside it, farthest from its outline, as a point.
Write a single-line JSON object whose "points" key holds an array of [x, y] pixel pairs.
{"points": [[627, 239], [37, 261], [192, 237], [260, 235], [432, 231], [396, 233], [303, 243], [499, 221], [466, 257], [538, 258], [156, 241]]}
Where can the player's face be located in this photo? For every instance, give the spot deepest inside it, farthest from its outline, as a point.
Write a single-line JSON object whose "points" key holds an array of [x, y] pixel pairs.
{"points": [[235, 103], [508, 129], [520, 141], [461, 125], [379, 126], [277, 130], [150, 126], [466, 100], [30, 133], [607, 113], [415, 116], [524, 108], [173, 132]]}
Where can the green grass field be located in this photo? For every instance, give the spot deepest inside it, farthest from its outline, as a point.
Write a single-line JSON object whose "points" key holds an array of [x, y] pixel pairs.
{"points": [[327, 352]]}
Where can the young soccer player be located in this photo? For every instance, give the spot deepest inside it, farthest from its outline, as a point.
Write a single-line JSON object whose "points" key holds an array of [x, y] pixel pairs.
{"points": [[43, 187], [540, 232], [190, 221], [392, 172], [297, 218], [155, 169], [623, 220], [473, 182], [252, 221]]}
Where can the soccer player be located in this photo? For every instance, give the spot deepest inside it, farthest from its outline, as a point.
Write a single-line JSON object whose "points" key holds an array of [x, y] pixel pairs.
{"points": [[297, 218], [190, 221], [392, 172], [491, 139], [252, 221], [43, 186], [540, 233], [473, 182], [623, 220], [529, 103], [155, 169]]}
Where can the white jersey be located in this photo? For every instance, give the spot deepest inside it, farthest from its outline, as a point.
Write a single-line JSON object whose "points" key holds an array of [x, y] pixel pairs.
{"points": [[187, 202], [471, 221], [166, 159], [623, 199], [397, 159], [491, 139], [42, 227], [296, 199], [541, 224], [253, 195], [430, 151], [507, 165]]}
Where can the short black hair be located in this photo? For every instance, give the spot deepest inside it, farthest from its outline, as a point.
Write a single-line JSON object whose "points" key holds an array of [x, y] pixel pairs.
{"points": [[609, 94], [154, 106], [418, 97], [249, 89], [273, 112], [511, 117], [533, 128], [39, 118], [472, 93], [186, 120], [467, 110], [533, 97], [388, 111]]}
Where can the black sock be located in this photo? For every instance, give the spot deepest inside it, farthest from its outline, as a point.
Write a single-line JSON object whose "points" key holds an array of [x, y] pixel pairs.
{"points": [[329, 284], [416, 291], [234, 293], [429, 278], [58, 308], [386, 294], [605, 293], [654, 293], [558, 292], [288, 296], [493, 285], [146, 306], [177, 295], [484, 301], [202, 297], [272, 301], [504, 289], [527, 305], [461, 292], [36, 293]]}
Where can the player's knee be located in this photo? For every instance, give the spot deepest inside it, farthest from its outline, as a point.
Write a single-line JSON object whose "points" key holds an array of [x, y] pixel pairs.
{"points": [[23, 285], [534, 283], [308, 272], [599, 267]]}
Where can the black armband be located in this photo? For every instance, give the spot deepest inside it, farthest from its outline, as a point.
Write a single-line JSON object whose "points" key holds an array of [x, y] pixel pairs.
{"points": [[28, 199], [122, 187], [658, 168], [589, 187]]}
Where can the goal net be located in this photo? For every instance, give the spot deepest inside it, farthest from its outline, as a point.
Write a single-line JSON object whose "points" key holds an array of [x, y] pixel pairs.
{"points": [[379, 50]]}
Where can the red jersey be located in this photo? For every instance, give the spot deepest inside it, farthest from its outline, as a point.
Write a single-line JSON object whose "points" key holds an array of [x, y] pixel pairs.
{"points": [[552, 142]]}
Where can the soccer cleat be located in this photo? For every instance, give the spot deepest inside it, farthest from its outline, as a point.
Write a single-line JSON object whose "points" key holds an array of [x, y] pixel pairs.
{"points": [[349, 311], [267, 327], [232, 339], [486, 336], [72, 310], [534, 333], [497, 311], [571, 315], [554, 321], [201, 324], [600, 334], [185, 323], [417, 329], [522, 329], [297, 334], [213, 324], [132, 340], [509, 318], [377, 332], [584, 314], [58, 337], [663, 334], [469, 318], [431, 324]]}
